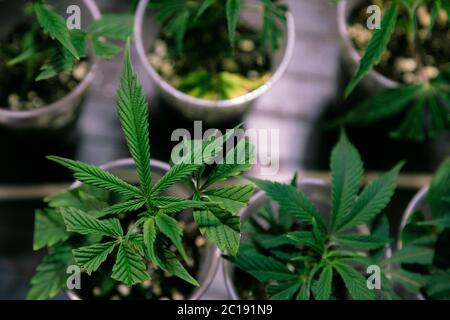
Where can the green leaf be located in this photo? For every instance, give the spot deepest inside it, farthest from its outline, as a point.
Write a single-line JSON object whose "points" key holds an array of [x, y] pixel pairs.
{"points": [[237, 160], [90, 258], [356, 284], [359, 241], [132, 108], [346, 175], [177, 206], [376, 46], [412, 255], [411, 281], [439, 190], [372, 200], [304, 238], [169, 262], [60, 61], [380, 105], [438, 285], [412, 127], [274, 18], [221, 227], [130, 267], [178, 26], [177, 173], [283, 291], [55, 26], [443, 222], [231, 198], [206, 4], [150, 232], [114, 26], [51, 276], [291, 201], [323, 287], [263, 268], [169, 226], [125, 207], [49, 229], [104, 49], [97, 177], [233, 8], [82, 223]]}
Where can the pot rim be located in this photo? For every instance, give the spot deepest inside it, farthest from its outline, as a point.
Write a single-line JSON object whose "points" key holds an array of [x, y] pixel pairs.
{"points": [[412, 207], [212, 253], [255, 202], [347, 45], [179, 95], [63, 102]]}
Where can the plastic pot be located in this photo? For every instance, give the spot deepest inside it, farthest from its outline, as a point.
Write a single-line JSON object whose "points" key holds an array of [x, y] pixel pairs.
{"points": [[146, 30], [61, 112], [210, 257]]}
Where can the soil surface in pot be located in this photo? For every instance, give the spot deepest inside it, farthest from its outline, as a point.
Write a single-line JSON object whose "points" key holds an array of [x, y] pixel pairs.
{"points": [[407, 61], [208, 68], [162, 286], [19, 89]]}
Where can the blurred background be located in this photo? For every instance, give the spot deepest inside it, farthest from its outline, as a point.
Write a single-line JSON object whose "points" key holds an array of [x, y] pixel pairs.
{"points": [[309, 91]]}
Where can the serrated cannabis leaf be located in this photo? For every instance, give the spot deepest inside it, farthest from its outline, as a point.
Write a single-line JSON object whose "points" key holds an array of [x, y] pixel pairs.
{"points": [[283, 291], [413, 255], [149, 231], [114, 26], [82, 223], [372, 200], [376, 46], [51, 276], [105, 49], [355, 282], [49, 229], [323, 286], [169, 227], [359, 241], [130, 267], [221, 227], [263, 268], [177, 173], [55, 25], [132, 108], [346, 176], [97, 177], [291, 201], [90, 258], [231, 198], [124, 207], [233, 8]]}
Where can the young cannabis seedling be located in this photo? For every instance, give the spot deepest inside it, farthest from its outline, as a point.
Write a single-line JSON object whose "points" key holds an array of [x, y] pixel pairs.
{"points": [[425, 100], [298, 253], [154, 227], [432, 235], [44, 48], [233, 59]]}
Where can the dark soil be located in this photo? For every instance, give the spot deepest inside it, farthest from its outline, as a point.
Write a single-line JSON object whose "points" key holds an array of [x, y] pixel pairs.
{"points": [[19, 90], [404, 61], [208, 68]]}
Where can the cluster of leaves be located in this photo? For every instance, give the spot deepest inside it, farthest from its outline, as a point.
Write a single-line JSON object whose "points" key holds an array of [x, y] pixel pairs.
{"points": [[430, 229], [298, 253], [67, 46], [182, 15], [154, 227], [426, 105]]}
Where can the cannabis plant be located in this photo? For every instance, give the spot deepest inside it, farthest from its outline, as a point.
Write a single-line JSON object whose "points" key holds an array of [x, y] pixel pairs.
{"points": [[429, 229], [425, 100], [44, 48], [82, 226], [233, 59], [300, 252]]}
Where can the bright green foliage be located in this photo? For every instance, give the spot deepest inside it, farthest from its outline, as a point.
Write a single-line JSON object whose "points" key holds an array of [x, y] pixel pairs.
{"points": [[180, 16], [93, 211], [300, 252], [425, 238], [67, 46]]}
